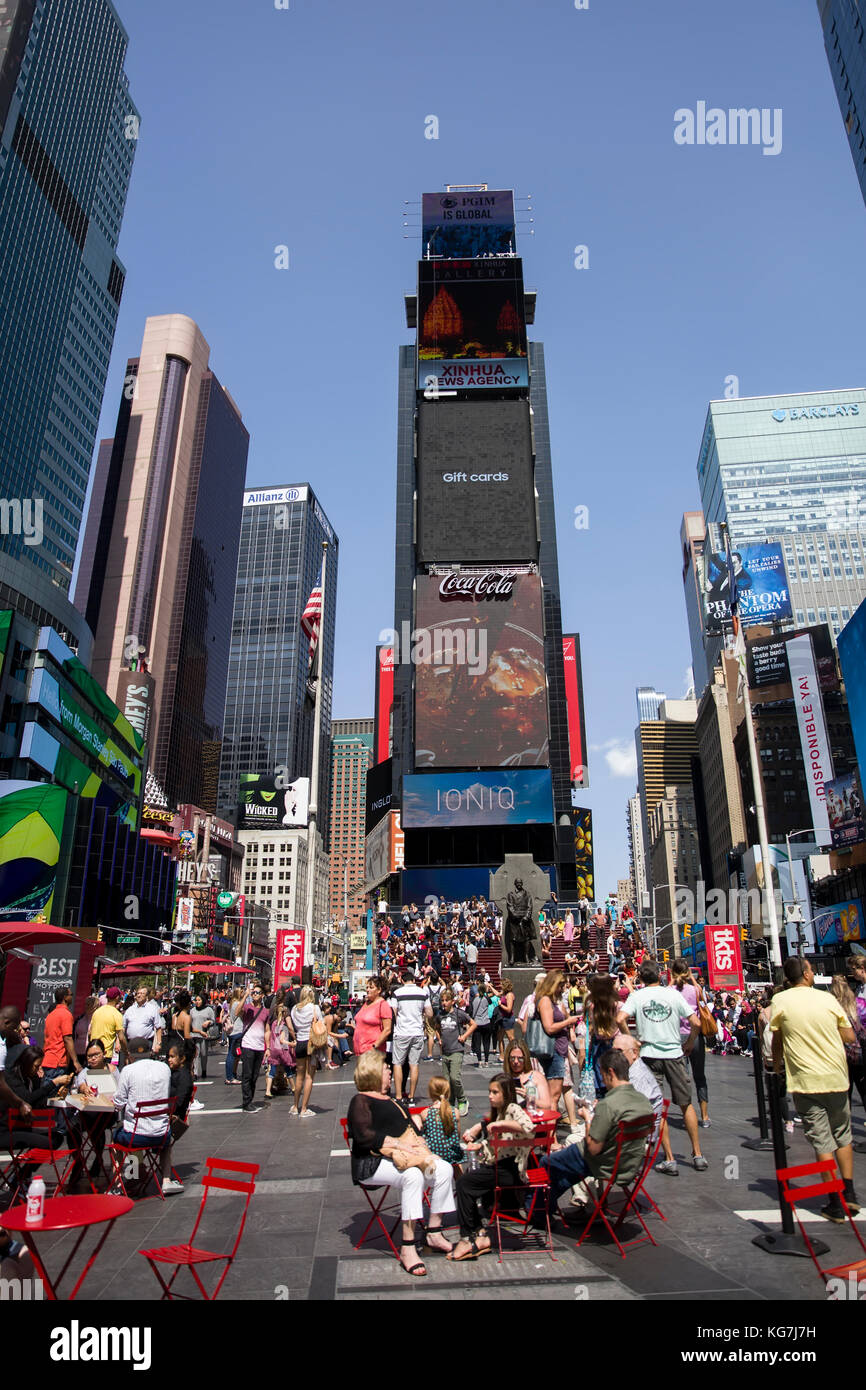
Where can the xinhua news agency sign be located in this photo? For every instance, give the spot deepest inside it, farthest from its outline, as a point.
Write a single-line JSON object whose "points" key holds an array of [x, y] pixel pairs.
{"points": [[724, 959]]}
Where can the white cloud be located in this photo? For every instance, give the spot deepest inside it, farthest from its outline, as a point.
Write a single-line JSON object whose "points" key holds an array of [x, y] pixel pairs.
{"points": [[620, 756]]}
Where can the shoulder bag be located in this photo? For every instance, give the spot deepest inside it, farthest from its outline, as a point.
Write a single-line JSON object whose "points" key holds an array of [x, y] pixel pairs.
{"points": [[540, 1043], [318, 1034], [709, 1027], [254, 1019]]}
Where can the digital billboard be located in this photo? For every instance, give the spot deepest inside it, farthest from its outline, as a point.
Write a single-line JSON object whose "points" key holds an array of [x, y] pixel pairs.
{"points": [[31, 827], [379, 795], [480, 683], [471, 326], [839, 923], [478, 798], [852, 655], [574, 706], [845, 810], [476, 490], [583, 855], [768, 658], [466, 224], [384, 702], [761, 580], [266, 806]]}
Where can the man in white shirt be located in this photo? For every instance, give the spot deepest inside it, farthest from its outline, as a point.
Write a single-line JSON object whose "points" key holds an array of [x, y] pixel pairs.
{"points": [[143, 1020], [411, 1005], [144, 1078]]}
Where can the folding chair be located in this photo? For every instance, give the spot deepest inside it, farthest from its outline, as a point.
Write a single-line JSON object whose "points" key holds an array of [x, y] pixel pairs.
{"points": [[636, 1189], [832, 1183], [149, 1154], [22, 1159], [188, 1256], [378, 1208], [534, 1185], [627, 1132]]}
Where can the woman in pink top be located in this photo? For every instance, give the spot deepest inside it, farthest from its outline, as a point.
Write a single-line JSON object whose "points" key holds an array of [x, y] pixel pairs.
{"points": [[374, 1020], [568, 929]]}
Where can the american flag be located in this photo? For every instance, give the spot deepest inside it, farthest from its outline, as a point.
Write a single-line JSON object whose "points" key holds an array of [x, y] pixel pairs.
{"points": [[311, 617]]}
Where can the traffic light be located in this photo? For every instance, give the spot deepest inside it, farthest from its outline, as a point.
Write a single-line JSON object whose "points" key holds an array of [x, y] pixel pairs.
{"points": [[744, 933], [99, 933], [665, 956], [687, 931]]}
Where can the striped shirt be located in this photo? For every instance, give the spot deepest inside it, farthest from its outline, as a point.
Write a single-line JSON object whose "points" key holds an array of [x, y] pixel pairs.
{"points": [[144, 1080]]}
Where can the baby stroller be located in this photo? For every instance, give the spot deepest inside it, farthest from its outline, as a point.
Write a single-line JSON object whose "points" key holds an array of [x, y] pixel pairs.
{"points": [[725, 1044]]}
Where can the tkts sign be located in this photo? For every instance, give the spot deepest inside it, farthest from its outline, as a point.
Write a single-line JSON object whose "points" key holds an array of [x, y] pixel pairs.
{"points": [[290, 955], [724, 960]]}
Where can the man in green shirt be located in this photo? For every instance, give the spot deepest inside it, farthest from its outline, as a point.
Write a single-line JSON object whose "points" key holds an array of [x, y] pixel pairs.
{"points": [[598, 1156]]}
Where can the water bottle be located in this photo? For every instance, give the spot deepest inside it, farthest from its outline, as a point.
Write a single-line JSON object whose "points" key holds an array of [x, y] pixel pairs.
{"points": [[530, 1093], [35, 1202]]}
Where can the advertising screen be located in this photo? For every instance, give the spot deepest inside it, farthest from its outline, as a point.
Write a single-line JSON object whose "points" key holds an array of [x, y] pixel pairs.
{"points": [[814, 739], [583, 856], [467, 224], [471, 326], [384, 702], [478, 798], [839, 923], [379, 794], [480, 683], [476, 492], [761, 579], [768, 658], [852, 655], [845, 810], [264, 805], [31, 826], [383, 849], [574, 705]]}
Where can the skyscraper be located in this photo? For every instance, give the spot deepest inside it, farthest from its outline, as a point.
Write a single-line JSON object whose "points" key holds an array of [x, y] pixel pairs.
{"points": [[648, 701], [351, 755], [68, 131], [161, 545], [476, 557], [268, 711], [842, 22]]}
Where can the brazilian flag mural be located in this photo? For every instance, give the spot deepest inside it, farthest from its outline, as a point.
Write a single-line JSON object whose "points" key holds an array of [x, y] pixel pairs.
{"points": [[31, 826]]}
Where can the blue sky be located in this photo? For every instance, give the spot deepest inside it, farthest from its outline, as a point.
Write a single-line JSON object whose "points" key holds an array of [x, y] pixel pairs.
{"points": [[305, 127]]}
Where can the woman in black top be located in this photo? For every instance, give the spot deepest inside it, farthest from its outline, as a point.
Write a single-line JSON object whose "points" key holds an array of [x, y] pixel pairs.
{"points": [[376, 1125], [180, 1086], [22, 1078]]}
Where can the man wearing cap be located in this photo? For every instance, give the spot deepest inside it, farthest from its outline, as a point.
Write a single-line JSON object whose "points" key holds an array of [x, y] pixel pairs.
{"points": [[143, 1019], [106, 1025]]}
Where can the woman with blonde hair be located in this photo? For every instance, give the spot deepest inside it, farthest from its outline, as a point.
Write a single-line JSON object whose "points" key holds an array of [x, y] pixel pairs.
{"points": [[388, 1151], [280, 1053], [305, 1017], [505, 1021], [550, 1024], [854, 1055]]}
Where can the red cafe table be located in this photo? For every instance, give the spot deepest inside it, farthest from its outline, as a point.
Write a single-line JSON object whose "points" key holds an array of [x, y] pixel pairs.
{"points": [[67, 1214]]}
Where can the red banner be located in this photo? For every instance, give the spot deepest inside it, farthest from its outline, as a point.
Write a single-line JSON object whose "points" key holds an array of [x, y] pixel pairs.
{"points": [[290, 955], [384, 702], [724, 958], [574, 707]]}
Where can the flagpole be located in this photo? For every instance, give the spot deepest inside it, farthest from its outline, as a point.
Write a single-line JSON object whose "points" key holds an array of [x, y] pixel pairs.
{"points": [[314, 773], [757, 781]]}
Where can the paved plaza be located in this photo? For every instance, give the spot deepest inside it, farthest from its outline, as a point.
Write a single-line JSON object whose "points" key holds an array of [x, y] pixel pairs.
{"points": [[306, 1215]]}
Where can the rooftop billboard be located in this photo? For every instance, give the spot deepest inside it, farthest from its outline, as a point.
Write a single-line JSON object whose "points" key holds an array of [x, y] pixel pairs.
{"points": [[453, 799], [471, 326], [466, 225]]}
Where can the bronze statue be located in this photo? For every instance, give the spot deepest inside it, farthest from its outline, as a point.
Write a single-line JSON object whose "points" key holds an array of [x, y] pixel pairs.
{"points": [[519, 934]]}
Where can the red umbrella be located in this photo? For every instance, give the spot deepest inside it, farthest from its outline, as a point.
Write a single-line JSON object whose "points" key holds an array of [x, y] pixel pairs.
{"points": [[29, 934], [210, 965]]}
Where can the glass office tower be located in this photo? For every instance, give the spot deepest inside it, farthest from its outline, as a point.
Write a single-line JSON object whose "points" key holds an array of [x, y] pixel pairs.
{"points": [[842, 22], [68, 130], [268, 713]]}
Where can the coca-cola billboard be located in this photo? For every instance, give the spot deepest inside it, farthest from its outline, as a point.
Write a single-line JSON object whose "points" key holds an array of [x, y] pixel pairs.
{"points": [[480, 713]]}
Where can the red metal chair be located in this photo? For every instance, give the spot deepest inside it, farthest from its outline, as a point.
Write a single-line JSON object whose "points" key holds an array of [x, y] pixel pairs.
{"points": [[378, 1208], [534, 1185], [627, 1131], [832, 1183], [38, 1155], [636, 1189], [189, 1256], [150, 1155]]}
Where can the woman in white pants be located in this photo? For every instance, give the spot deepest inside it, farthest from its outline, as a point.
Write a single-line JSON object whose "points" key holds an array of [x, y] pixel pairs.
{"points": [[377, 1127]]}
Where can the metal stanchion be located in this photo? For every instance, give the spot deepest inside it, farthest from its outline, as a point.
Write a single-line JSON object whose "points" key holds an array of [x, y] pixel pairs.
{"points": [[787, 1241], [764, 1142]]}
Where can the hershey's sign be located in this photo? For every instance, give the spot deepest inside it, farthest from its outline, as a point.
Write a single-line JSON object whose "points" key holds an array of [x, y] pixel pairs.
{"points": [[135, 691]]}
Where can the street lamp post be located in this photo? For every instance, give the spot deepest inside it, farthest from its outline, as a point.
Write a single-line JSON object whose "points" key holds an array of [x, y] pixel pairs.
{"points": [[807, 830], [673, 921]]}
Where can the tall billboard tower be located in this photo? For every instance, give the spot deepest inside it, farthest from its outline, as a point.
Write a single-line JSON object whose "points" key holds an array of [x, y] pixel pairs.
{"points": [[480, 736]]}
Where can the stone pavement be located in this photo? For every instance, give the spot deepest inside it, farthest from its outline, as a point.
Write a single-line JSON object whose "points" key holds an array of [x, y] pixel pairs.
{"points": [[306, 1215]]}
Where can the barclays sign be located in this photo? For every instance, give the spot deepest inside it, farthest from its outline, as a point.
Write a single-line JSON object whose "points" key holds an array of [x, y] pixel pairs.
{"points": [[815, 412]]}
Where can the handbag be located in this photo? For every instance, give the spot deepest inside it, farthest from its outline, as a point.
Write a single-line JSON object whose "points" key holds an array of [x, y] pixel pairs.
{"points": [[709, 1027], [538, 1040], [412, 1152], [318, 1034]]}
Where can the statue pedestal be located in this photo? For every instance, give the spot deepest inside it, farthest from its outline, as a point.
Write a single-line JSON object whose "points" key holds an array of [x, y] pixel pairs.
{"points": [[523, 979]]}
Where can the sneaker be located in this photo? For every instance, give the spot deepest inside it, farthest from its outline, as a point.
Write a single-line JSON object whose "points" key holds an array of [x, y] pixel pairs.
{"points": [[169, 1185], [196, 1105], [704, 1124], [835, 1212], [669, 1168], [306, 1114], [251, 1109], [463, 1108], [700, 1163]]}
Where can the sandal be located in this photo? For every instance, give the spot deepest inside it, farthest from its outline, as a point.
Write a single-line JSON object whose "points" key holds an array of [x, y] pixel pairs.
{"points": [[475, 1251], [417, 1270], [438, 1231]]}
